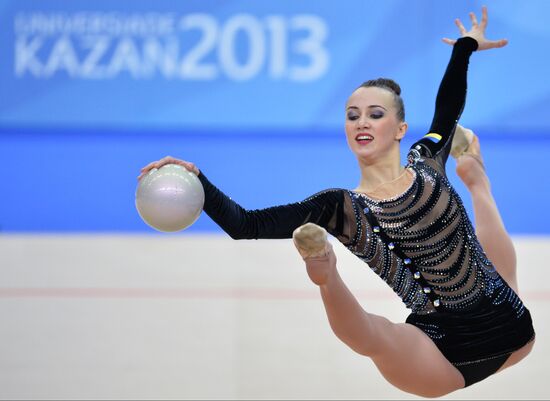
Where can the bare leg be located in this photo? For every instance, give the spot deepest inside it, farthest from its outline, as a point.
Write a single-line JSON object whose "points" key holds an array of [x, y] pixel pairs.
{"points": [[490, 229], [405, 356]]}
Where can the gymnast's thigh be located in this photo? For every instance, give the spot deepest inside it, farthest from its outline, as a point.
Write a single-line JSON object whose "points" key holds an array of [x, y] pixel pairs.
{"points": [[411, 361]]}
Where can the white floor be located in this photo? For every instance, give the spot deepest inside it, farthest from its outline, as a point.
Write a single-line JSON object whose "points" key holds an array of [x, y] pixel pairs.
{"points": [[205, 317]]}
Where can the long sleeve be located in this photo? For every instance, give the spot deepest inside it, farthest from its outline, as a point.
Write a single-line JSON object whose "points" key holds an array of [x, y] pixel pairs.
{"points": [[324, 208], [449, 104]]}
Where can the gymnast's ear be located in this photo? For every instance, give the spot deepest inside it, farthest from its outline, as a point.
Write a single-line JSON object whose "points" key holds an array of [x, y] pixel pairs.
{"points": [[402, 130]]}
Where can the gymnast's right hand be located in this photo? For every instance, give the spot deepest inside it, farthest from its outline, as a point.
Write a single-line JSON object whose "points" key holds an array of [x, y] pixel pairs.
{"points": [[168, 160]]}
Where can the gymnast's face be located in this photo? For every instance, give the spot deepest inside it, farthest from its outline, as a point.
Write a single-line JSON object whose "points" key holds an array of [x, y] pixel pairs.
{"points": [[372, 126]]}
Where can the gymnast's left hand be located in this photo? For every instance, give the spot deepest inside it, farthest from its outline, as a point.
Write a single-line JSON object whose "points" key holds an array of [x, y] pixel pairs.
{"points": [[169, 160], [477, 32]]}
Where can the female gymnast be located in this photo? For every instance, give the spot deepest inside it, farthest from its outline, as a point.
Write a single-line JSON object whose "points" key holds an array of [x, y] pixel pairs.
{"points": [[409, 225]]}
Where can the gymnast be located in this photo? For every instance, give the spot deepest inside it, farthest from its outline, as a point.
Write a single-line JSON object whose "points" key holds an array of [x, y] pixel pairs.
{"points": [[408, 224]]}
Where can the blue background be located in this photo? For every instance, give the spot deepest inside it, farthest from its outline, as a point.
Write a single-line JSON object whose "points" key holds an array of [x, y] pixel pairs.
{"points": [[71, 148]]}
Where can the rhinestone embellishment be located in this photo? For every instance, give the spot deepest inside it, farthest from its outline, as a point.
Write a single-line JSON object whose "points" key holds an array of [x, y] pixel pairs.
{"points": [[397, 239]]}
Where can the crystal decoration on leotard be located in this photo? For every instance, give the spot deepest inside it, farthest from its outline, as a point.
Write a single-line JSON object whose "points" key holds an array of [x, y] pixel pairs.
{"points": [[442, 255]]}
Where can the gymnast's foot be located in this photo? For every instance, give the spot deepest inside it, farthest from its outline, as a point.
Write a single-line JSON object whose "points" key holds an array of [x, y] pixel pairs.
{"points": [[469, 163], [312, 244]]}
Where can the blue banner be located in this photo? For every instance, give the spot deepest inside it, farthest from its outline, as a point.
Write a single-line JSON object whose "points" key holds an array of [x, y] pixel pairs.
{"points": [[254, 93], [251, 65]]}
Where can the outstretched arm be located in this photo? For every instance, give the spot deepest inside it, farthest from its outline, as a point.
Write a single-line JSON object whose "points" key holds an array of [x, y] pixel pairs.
{"points": [[325, 209], [451, 95]]}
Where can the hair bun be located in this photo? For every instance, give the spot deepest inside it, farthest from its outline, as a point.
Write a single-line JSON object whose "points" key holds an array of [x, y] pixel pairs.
{"points": [[387, 83]]}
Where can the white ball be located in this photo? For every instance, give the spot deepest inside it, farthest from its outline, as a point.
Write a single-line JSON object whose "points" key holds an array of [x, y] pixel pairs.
{"points": [[169, 199]]}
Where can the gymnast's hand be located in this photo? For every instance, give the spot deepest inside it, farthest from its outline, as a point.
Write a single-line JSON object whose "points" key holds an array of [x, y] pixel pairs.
{"points": [[477, 32], [169, 160]]}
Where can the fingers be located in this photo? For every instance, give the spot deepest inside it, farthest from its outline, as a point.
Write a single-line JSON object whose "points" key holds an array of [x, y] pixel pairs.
{"points": [[484, 17], [460, 27], [449, 41], [157, 164], [141, 176], [477, 32], [168, 160], [473, 18], [149, 166], [191, 167], [492, 44]]}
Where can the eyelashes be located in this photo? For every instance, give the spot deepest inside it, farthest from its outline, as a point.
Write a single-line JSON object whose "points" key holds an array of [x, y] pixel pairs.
{"points": [[376, 116]]}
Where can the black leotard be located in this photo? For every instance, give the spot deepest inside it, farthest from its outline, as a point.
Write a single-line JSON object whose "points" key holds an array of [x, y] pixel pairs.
{"points": [[421, 243]]}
